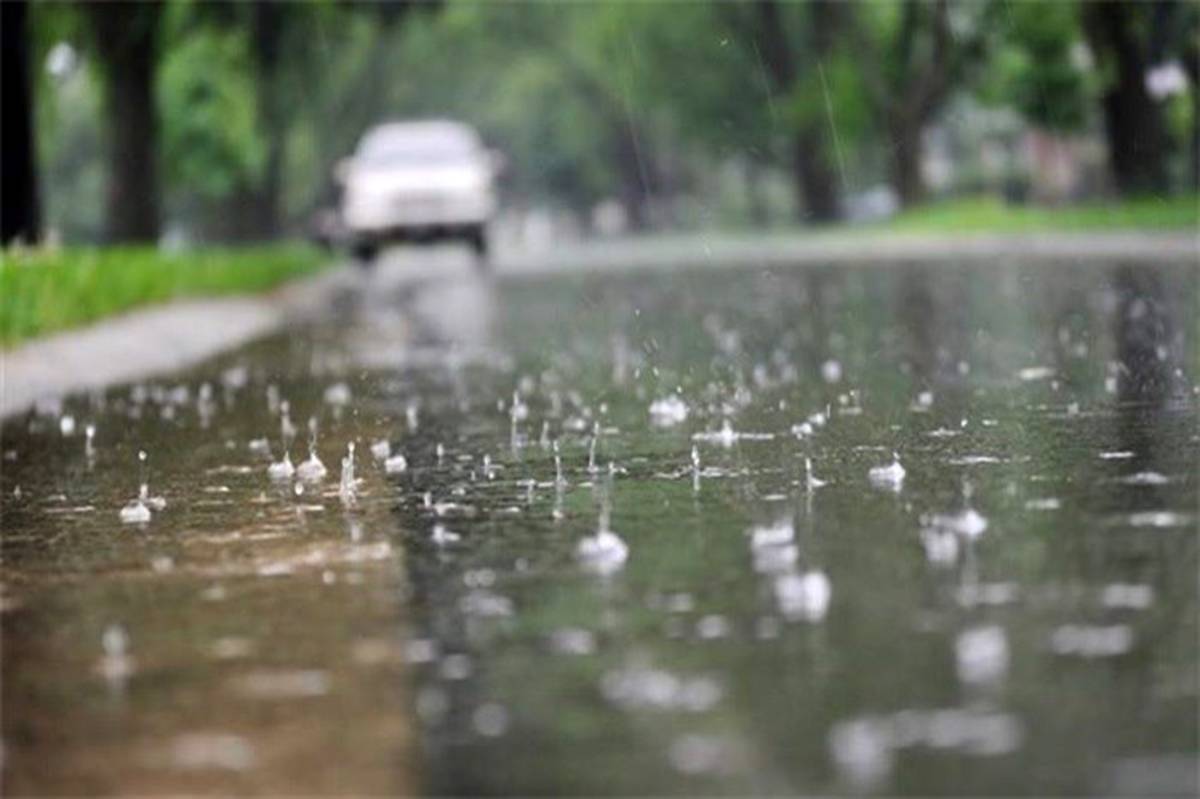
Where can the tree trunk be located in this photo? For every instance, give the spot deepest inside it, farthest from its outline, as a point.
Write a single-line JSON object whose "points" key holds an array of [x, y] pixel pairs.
{"points": [[816, 181], [20, 216], [1137, 145], [906, 163], [1191, 65], [756, 203], [637, 174], [267, 30], [127, 40]]}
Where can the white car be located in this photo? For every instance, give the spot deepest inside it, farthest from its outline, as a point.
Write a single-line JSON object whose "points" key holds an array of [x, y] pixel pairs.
{"points": [[418, 182]]}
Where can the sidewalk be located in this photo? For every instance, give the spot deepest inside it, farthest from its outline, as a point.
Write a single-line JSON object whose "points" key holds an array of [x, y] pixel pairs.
{"points": [[151, 341]]}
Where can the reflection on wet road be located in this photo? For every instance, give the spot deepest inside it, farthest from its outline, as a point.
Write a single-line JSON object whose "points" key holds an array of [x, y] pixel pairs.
{"points": [[914, 530]]}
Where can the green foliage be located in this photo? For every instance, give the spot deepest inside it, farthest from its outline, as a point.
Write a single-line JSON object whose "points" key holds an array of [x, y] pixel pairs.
{"points": [[990, 215], [1040, 70], [42, 291], [562, 89], [211, 142]]}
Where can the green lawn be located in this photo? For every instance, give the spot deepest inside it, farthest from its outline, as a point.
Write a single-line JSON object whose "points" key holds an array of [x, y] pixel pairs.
{"points": [[42, 291], [993, 215]]}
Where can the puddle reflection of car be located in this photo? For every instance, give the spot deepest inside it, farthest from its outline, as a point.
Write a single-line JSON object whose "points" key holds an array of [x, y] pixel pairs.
{"points": [[418, 182]]}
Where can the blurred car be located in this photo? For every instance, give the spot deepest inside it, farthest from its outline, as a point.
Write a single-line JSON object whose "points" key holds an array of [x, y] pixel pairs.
{"points": [[418, 182]]}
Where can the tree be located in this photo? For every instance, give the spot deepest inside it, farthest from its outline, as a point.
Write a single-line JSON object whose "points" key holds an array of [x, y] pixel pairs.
{"points": [[912, 59], [561, 87], [267, 36], [793, 63], [20, 215], [1038, 70], [1120, 37], [126, 38]]}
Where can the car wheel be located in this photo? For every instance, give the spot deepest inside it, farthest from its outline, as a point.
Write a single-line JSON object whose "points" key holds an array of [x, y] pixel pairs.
{"points": [[364, 253], [477, 238]]}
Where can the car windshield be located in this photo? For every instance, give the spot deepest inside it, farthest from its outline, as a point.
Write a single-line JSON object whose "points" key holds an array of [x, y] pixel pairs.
{"points": [[387, 148]]}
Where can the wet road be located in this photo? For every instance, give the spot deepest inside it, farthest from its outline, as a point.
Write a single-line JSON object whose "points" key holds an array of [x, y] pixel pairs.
{"points": [[628, 533]]}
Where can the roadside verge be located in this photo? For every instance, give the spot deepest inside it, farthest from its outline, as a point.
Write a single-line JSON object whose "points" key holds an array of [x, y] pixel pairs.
{"points": [[150, 341]]}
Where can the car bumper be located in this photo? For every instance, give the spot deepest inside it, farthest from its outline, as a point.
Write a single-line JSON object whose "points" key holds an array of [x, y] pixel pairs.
{"points": [[417, 215]]}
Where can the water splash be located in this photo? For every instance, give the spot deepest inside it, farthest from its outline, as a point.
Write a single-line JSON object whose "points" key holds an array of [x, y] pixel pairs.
{"points": [[381, 450], [695, 468], [889, 477], [605, 552], [982, 654], [137, 511], [116, 665], [668, 411], [803, 596], [348, 489], [287, 430], [811, 481], [338, 395], [312, 470], [395, 464], [968, 522], [441, 536], [281, 469], [591, 467]]}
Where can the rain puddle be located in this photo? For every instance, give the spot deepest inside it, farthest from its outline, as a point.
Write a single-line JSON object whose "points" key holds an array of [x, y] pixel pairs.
{"points": [[796, 531]]}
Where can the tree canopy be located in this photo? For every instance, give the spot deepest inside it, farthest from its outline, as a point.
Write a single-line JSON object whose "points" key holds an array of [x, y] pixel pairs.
{"points": [[235, 114]]}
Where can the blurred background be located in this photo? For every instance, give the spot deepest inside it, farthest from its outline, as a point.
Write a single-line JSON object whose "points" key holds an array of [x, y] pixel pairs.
{"points": [[194, 122]]}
